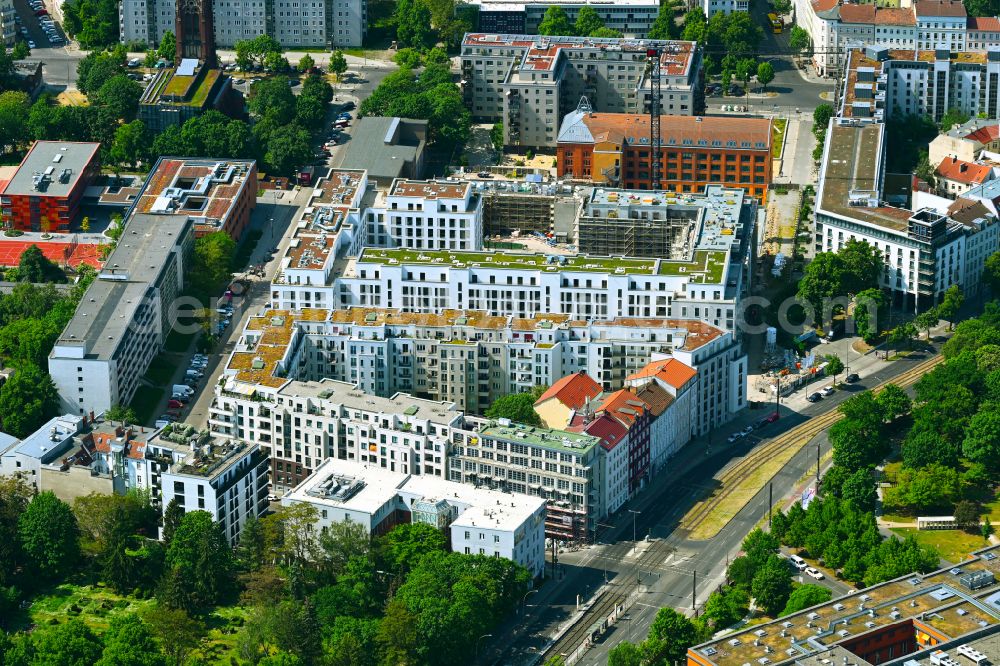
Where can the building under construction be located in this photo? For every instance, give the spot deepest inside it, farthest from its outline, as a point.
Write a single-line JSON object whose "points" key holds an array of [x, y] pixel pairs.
{"points": [[505, 212], [623, 223]]}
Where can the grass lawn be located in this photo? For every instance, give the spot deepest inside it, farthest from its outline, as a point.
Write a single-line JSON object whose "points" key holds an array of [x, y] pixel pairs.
{"points": [[145, 401], [96, 606], [161, 371], [952, 545], [179, 342], [778, 136]]}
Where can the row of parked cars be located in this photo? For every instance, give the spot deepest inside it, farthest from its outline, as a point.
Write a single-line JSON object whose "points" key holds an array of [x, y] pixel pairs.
{"points": [[182, 393], [45, 21]]}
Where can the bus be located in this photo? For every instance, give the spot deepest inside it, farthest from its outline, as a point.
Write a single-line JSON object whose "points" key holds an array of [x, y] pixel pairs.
{"points": [[776, 23]]}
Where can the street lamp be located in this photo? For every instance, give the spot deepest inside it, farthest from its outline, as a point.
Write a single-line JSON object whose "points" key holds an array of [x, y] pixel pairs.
{"points": [[477, 643], [524, 598], [634, 514]]}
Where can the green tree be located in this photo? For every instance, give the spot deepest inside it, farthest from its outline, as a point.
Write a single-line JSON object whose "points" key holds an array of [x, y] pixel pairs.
{"points": [[69, 644], [726, 607], [555, 22], [211, 267], [36, 267], [251, 551], [49, 536], [799, 39], [625, 654], [587, 22], [199, 561], [834, 366], [130, 144], [129, 642], [893, 402], [695, 25], [172, 516], [928, 319], [966, 515], [806, 596], [991, 273], [178, 632], [772, 585], [917, 490], [606, 33], [982, 439], [272, 98], [765, 74], [306, 63], [96, 69], [821, 280], [670, 636], [14, 107], [951, 118], [987, 528], [821, 115], [665, 26], [20, 50], [413, 24], [167, 48], [404, 547], [15, 494], [27, 400], [869, 310], [518, 407], [288, 148], [338, 63], [496, 138], [408, 58], [342, 542], [759, 546], [950, 305], [120, 95], [859, 488]]}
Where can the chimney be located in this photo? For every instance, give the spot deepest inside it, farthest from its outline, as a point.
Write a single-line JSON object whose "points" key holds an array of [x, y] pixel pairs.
{"points": [[92, 418]]}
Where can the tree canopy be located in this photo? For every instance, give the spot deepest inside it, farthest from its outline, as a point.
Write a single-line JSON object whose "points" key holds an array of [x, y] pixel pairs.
{"points": [[518, 407]]}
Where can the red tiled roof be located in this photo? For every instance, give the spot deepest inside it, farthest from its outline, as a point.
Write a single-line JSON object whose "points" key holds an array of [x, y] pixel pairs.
{"points": [[894, 16], [573, 390], [987, 133], [857, 13], [624, 406], [824, 5], [963, 172], [608, 430], [671, 371], [983, 23], [940, 8]]}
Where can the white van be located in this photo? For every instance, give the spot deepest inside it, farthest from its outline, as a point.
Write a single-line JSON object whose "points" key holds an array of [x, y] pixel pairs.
{"points": [[797, 562]]}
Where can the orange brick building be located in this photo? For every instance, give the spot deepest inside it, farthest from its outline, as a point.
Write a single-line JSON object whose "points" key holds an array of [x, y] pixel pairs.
{"points": [[613, 149], [46, 191]]}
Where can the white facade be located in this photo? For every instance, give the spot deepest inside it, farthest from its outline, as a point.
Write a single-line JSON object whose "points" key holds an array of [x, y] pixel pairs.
{"points": [[293, 23], [427, 215], [616, 485], [480, 522], [8, 27]]}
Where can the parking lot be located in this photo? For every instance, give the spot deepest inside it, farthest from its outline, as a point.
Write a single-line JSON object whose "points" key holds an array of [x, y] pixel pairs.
{"points": [[36, 26]]}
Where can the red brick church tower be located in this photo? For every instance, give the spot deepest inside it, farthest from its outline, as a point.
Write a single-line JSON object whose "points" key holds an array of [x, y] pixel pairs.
{"points": [[195, 32]]}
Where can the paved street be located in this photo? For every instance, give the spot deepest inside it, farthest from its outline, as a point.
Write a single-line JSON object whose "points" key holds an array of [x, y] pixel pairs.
{"points": [[665, 575]]}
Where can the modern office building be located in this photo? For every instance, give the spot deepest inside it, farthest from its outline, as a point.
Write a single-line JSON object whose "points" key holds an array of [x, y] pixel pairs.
{"points": [[530, 82], [926, 251], [944, 618], [216, 194], [311, 23], [476, 521], [124, 316], [177, 94], [47, 189], [632, 18], [614, 149]]}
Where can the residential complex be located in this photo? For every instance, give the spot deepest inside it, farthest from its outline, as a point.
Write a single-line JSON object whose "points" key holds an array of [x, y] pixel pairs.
{"points": [[8, 26], [530, 82], [478, 521], [217, 195], [966, 141], [427, 215], [913, 620], [124, 316], [614, 149], [46, 191], [633, 18], [923, 25], [312, 23], [927, 250]]}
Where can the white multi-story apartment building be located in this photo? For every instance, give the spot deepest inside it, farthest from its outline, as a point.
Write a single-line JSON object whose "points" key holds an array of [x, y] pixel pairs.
{"points": [[478, 521], [302, 23], [8, 26], [124, 316], [925, 251], [632, 18], [427, 215], [530, 82], [470, 358]]}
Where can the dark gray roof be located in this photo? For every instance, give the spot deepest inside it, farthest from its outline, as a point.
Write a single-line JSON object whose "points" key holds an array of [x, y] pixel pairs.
{"points": [[54, 157], [369, 150]]}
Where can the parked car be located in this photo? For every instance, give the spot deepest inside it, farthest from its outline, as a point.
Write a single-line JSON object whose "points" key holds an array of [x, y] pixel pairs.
{"points": [[735, 91], [814, 397], [853, 377], [484, 174], [766, 420], [134, 62], [31, 44], [746, 431], [175, 403], [813, 572], [735, 437], [826, 391], [348, 105]]}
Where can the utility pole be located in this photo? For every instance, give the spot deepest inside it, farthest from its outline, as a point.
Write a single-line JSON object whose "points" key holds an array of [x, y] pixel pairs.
{"points": [[694, 589], [634, 514], [817, 467], [770, 502]]}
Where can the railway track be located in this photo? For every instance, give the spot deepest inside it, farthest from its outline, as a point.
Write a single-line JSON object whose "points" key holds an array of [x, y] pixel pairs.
{"points": [[795, 439], [580, 632]]}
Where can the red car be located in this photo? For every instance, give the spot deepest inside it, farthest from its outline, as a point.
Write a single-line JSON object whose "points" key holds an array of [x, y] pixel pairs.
{"points": [[41, 12], [175, 404]]}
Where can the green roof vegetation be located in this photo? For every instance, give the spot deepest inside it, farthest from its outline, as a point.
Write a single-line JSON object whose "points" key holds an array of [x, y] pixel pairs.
{"points": [[553, 439], [189, 90], [708, 263]]}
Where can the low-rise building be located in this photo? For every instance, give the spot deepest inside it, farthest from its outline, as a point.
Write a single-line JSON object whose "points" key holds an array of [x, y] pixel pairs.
{"points": [[43, 449], [123, 319], [476, 520], [530, 82], [177, 94], [966, 141], [216, 194], [571, 394], [955, 177], [46, 191], [386, 148], [614, 149]]}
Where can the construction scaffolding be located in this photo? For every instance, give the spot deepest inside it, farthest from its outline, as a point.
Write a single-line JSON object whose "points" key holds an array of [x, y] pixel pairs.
{"points": [[506, 212], [639, 235]]}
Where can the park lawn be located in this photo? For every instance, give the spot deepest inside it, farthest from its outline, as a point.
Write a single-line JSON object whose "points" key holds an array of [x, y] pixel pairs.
{"points": [[161, 371], [952, 545], [145, 401], [96, 605]]}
